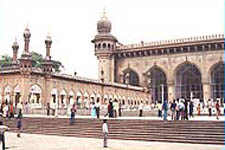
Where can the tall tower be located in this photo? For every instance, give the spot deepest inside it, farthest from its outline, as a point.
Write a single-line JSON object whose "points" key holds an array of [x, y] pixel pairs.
{"points": [[47, 63], [26, 60], [105, 44], [15, 48]]}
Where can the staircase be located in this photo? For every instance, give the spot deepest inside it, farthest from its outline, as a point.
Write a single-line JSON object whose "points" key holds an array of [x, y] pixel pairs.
{"points": [[196, 132]]}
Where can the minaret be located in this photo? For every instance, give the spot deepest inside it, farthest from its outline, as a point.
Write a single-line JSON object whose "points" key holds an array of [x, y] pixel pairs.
{"points": [[47, 63], [15, 48], [105, 45], [26, 60]]}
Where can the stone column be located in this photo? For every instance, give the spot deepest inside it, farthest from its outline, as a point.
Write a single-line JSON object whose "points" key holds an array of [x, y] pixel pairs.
{"points": [[206, 92], [171, 90]]}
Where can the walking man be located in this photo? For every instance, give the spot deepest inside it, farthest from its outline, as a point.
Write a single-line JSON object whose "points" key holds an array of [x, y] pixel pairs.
{"points": [[72, 115], [165, 109], [2, 134], [105, 133], [173, 109], [210, 107]]}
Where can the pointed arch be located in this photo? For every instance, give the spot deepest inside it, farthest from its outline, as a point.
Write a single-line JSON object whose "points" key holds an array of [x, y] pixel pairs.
{"points": [[188, 80], [133, 77], [217, 80], [157, 82]]}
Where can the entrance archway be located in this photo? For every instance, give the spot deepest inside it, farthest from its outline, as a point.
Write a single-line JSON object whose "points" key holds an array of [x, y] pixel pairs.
{"points": [[188, 82], [157, 83], [217, 81]]}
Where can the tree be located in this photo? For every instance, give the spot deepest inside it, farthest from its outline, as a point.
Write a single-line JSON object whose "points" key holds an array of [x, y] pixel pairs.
{"points": [[5, 61], [37, 60]]}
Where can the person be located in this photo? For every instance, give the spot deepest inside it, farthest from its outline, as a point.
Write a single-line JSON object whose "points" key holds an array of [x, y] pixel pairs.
{"points": [[97, 108], [199, 109], [72, 115], [186, 109], [165, 109], [173, 109], [5, 111], [210, 107], [19, 122], [93, 110], [120, 109], [217, 110], [177, 110], [191, 109], [182, 109], [105, 133], [48, 109], [141, 109], [110, 108], [159, 105], [3, 129], [115, 108], [86, 106], [11, 111]]}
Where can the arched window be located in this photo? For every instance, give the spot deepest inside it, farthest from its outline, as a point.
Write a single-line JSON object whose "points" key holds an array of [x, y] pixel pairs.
{"points": [[109, 46], [99, 46], [130, 77], [104, 45], [157, 84], [217, 81], [188, 82]]}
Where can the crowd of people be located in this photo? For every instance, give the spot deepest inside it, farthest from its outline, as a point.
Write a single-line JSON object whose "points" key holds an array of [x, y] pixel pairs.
{"points": [[182, 109]]}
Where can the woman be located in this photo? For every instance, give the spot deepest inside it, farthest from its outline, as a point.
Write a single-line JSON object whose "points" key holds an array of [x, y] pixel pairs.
{"points": [[217, 110], [199, 109], [93, 110], [19, 122]]}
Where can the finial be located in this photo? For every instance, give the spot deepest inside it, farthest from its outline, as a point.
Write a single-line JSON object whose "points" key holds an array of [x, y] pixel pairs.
{"points": [[104, 14]]}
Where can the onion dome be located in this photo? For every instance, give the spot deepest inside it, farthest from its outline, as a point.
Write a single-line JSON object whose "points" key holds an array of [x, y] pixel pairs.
{"points": [[104, 24], [27, 33], [15, 45]]}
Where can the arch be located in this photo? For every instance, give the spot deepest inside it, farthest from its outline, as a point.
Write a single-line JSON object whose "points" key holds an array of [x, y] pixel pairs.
{"points": [[7, 89], [133, 77], [71, 93], [188, 80], [35, 95], [86, 95], [181, 64], [17, 89], [99, 46], [217, 81], [104, 45], [63, 92], [157, 82], [109, 46]]}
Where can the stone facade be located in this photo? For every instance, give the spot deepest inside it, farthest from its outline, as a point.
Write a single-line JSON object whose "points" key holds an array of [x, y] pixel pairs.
{"points": [[20, 82], [170, 57]]}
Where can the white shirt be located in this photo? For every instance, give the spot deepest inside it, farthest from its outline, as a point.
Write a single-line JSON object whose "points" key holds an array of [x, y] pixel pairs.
{"points": [[105, 128], [3, 128]]}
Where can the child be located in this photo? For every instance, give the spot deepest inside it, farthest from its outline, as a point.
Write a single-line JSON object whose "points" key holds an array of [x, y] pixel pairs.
{"points": [[2, 134], [105, 133]]}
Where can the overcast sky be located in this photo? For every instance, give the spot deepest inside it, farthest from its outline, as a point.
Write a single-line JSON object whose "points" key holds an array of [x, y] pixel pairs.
{"points": [[72, 25]]}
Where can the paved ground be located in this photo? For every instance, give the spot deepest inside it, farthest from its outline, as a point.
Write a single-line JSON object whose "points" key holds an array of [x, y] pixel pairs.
{"points": [[45, 142]]}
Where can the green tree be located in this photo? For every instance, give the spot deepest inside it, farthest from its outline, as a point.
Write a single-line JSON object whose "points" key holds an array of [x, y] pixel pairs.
{"points": [[5, 61], [37, 60]]}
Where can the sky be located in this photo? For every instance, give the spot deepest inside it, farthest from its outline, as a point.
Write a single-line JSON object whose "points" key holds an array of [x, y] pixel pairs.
{"points": [[72, 25]]}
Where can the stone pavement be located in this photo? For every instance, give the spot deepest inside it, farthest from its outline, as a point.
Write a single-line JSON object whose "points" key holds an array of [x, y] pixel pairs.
{"points": [[46, 142]]}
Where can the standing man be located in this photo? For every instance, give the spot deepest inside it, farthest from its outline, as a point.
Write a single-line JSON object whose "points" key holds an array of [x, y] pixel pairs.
{"points": [[105, 133], [173, 109], [97, 108], [191, 109], [210, 107], [165, 108], [48, 109], [2, 134], [72, 115], [217, 110], [140, 109]]}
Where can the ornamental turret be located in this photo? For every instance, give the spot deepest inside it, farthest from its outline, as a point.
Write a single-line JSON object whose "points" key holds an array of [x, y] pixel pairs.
{"points": [[105, 44]]}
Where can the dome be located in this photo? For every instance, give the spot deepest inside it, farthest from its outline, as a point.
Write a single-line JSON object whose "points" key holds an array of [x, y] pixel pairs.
{"points": [[104, 24], [27, 33], [15, 45]]}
